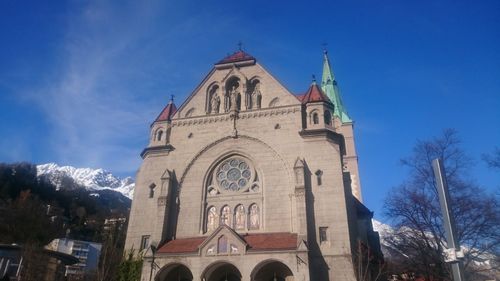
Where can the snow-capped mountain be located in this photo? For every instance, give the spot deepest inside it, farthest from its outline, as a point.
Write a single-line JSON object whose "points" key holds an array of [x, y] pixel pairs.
{"points": [[91, 179]]}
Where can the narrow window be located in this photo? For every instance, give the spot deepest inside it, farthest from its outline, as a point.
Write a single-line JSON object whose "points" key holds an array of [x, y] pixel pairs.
{"points": [[152, 190], [315, 118], [323, 234], [318, 174], [160, 134], [144, 242], [328, 117]]}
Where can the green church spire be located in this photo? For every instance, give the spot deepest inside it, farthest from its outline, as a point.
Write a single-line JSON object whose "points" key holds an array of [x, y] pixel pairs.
{"points": [[330, 88]]}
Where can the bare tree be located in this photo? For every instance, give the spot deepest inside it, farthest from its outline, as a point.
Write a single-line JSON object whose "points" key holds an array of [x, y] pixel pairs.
{"points": [[415, 212], [493, 159]]}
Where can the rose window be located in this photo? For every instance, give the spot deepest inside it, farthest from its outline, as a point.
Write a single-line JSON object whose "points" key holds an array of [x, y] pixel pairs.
{"points": [[234, 174]]}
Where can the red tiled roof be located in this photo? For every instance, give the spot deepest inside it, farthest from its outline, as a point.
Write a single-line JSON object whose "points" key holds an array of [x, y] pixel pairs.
{"points": [[167, 112], [313, 94], [256, 242], [184, 245], [236, 57], [271, 241]]}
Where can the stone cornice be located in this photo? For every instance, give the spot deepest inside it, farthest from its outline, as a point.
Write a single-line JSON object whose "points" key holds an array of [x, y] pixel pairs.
{"points": [[156, 150], [325, 133], [223, 117]]}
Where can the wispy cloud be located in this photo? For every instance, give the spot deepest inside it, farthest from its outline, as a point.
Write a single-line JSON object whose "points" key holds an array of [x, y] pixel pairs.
{"points": [[94, 102]]}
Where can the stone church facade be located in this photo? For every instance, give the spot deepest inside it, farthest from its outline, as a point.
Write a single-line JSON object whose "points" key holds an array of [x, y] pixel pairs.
{"points": [[247, 181]]}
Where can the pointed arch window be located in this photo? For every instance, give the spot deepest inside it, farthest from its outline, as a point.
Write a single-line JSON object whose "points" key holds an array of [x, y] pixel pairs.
{"points": [[319, 174]]}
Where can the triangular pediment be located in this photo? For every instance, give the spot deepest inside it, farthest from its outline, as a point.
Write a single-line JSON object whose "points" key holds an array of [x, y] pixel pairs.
{"points": [[223, 241], [256, 89]]}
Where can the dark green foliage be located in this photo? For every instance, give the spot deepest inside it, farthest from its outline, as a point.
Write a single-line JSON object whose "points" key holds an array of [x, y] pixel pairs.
{"points": [[130, 267], [32, 205]]}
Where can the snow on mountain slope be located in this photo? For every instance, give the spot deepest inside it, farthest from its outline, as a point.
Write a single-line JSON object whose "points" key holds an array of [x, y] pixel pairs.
{"points": [[91, 179]]}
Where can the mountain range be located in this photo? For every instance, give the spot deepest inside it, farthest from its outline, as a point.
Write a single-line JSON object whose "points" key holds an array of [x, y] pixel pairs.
{"points": [[90, 179]]}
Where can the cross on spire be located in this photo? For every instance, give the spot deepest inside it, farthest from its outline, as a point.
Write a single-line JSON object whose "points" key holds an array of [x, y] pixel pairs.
{"points": [[171, 98], [240, 45]]}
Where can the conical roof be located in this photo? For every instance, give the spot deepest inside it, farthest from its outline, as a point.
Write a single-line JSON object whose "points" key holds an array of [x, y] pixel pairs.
{"points": [[167, 113]]}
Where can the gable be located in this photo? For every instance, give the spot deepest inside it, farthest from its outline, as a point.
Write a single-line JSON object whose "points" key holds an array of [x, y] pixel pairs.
{"points": [[223, 241], [255, 87]]}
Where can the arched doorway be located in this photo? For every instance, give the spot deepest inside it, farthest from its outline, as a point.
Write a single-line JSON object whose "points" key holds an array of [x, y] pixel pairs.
{"points": [[272, 270], [174, 272], [221, 271]]}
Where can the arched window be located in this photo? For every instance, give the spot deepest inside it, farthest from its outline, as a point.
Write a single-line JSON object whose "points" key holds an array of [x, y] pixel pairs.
{"points": [[159, 134], [315, 118], [328, 117], [318, 174], [152, 190], [212, 219]]}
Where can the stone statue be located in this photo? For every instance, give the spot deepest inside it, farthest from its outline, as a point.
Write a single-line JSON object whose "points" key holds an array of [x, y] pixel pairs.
{"points": [[224, 218], [234, 95], [212, 219], [240, 217], [215, 102], [256, 97], [254, 217]]}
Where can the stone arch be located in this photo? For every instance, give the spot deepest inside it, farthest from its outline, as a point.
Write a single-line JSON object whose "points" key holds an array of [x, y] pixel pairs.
{"points": [[156, 133], [314, 117], [270, 270], [174, 271], [221, 271], [213, 89], [207, 159], [253, 97], [190, 112], [237, 84], [274, 102]]}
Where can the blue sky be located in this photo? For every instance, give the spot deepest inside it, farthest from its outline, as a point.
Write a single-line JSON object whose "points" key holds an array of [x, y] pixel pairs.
{"points": [[80, 81]]}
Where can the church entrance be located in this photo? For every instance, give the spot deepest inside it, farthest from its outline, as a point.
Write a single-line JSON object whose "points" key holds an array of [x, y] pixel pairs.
{"points": [[272, 271], [222, 272], [174, 272]]}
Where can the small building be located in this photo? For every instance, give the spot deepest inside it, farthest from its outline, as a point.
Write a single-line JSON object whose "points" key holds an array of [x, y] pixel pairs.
{"points": [[87, 253], [47, 265]]}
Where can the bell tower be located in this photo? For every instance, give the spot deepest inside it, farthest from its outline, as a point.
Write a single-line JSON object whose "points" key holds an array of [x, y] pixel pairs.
{"points": [[343, 124]]}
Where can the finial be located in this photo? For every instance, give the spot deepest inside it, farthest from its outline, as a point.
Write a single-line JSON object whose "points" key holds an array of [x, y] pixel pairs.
{"points": [[314, 79], [240, 45], [324, 44], [171, 98]]}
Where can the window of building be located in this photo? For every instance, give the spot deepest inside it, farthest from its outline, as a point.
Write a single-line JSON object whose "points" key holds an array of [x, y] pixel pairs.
{"points": [[315, 118], [144, 242], [328, 117], [323, 234], [160, 134], [152, 190], [318, 174]]}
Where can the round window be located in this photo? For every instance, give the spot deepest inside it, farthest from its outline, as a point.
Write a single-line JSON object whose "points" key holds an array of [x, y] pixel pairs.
{"points": [[233, 174]]}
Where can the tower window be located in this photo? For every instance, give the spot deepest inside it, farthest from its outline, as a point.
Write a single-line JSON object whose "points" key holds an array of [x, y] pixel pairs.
{"points": [[323, 234], [152, 190], [328, 117], [315, 118], [160, 134], [144, 242]]}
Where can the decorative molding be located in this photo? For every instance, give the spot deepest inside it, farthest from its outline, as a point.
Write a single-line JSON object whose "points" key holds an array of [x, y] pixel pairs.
{"points": [[223, 117], [156, 150]]}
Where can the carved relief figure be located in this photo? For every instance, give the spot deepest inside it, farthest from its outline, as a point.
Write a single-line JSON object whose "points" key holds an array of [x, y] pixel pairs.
{"points": [[254, 217], [240, 217], [256, 96], [234, 95], [215, 102], [225, 216], [212, 219], [234, 249]]}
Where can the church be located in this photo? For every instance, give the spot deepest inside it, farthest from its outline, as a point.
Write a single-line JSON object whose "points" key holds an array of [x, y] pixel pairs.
{"points": [[248, 181]]}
